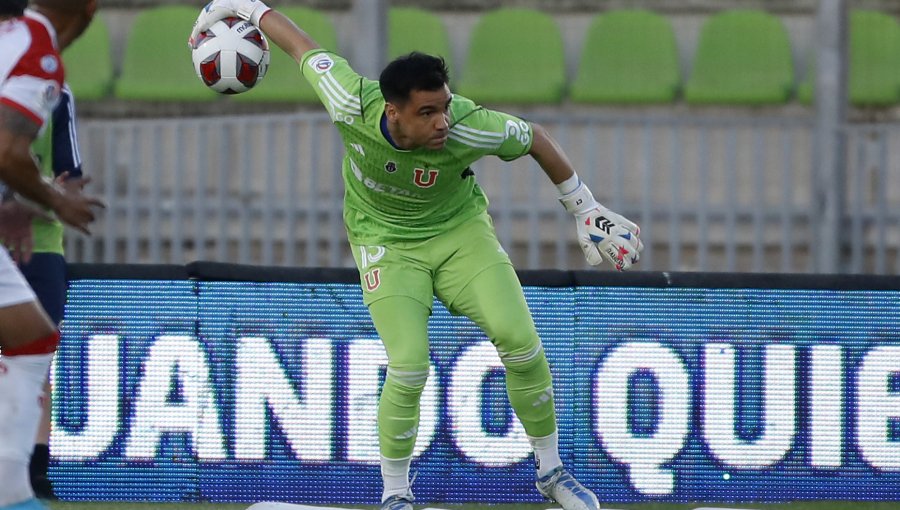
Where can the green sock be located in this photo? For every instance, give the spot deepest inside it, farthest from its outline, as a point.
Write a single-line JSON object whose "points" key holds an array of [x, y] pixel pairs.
{"points": [[402, 324], [530, 389]]}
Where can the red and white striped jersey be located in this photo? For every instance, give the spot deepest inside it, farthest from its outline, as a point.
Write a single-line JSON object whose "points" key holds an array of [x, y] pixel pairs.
{"points": [[31, 70]]}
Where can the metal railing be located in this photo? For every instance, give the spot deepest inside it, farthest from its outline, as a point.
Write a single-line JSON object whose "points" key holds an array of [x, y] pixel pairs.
{"points": [[872, 196], [711, 192]]}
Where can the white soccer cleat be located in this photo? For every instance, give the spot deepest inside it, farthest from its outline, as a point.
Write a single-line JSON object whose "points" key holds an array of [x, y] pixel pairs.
{"points": [[562, 487], [402, 502]]}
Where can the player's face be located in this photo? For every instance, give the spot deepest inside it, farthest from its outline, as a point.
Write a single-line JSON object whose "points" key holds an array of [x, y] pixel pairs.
{"points": [[424, 120]]}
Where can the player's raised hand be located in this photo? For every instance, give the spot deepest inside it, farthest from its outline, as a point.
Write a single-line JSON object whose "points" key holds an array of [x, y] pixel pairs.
{"points": [[603, 234], [75, 209], [250, 10]]}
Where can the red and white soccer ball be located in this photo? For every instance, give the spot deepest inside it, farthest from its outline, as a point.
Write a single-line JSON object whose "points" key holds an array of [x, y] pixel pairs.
{"points": [[231, 57]]}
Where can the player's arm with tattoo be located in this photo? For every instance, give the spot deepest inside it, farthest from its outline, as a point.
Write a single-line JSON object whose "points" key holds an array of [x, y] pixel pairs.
{"points": [[20, 172]]}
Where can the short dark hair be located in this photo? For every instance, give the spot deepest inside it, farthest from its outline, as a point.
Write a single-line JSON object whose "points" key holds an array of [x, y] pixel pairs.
{"points": [[12, 7], [415, 71]]}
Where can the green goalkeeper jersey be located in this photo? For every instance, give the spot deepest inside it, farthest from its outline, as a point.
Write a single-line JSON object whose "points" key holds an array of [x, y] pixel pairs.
{"points": [[392, 194]]}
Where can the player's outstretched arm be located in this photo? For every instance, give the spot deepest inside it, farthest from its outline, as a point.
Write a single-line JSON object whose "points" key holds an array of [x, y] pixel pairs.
{"points": [[286, 35], [550, 156], [276, 26], [602, 234]]}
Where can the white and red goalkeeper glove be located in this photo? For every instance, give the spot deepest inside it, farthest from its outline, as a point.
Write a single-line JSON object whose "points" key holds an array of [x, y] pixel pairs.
{"points": [[250, 10], [603, 234]]}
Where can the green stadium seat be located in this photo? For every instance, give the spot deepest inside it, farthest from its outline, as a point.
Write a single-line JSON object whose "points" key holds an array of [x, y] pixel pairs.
{"points": [[411, 29], [515, 56], [283, 81], [743, 57], [630, 56], [157, 63], [874, 62], [88, 62]]}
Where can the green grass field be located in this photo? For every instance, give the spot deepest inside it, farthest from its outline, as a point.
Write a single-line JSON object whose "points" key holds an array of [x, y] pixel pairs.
{"points": [[801, 505]]}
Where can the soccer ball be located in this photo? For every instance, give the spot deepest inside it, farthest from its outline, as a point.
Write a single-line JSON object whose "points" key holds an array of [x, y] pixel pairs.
{"points": [[231, 57]]}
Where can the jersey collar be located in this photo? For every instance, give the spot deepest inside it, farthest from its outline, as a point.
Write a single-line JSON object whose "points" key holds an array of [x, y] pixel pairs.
{"points": [[387, 134]]}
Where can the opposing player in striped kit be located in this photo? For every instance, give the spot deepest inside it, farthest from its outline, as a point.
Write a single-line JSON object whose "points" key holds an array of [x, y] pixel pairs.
{"points": [[44, 268], [31, 78], [417, 222]]}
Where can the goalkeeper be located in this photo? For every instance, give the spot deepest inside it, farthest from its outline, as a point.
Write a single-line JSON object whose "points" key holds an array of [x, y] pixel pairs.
{"points": [[417, 222]]}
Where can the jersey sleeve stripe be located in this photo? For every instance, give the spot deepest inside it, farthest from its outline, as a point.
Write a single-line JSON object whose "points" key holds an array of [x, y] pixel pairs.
{"points": [[479, 139], [65, 136], [334, 97], [483, 142], [23, 110], [337, 105], [477, 133], [73, 131], [470, 143], [341, 91]]}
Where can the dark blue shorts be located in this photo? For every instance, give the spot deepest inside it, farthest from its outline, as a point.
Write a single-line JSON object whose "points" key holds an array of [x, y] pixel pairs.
{"points": [[46, 273]]}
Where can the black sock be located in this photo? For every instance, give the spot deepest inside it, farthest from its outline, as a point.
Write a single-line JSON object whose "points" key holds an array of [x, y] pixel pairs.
{"points": [[40, 460]]}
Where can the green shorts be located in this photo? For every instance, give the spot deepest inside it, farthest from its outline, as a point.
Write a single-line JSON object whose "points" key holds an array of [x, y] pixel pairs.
{"points": [[441, 266]]}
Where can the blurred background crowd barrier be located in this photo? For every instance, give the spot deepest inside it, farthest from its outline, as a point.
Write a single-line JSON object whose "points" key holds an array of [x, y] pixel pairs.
{"points": [[716, 125]]}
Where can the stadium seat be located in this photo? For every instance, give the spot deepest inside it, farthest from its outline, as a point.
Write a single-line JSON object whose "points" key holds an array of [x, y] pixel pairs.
{"points": [[514, 56], [411, 29], [88, 62], [743, 57], [874, 62], [157, 62], [283, 81], [630, 56]]}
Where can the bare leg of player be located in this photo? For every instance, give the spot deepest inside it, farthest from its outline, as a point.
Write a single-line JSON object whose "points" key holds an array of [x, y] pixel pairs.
{"points": [[28, 339]]}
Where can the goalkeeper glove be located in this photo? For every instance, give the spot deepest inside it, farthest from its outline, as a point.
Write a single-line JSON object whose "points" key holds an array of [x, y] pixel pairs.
{"points": [[602, 233], [250, 10]]}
